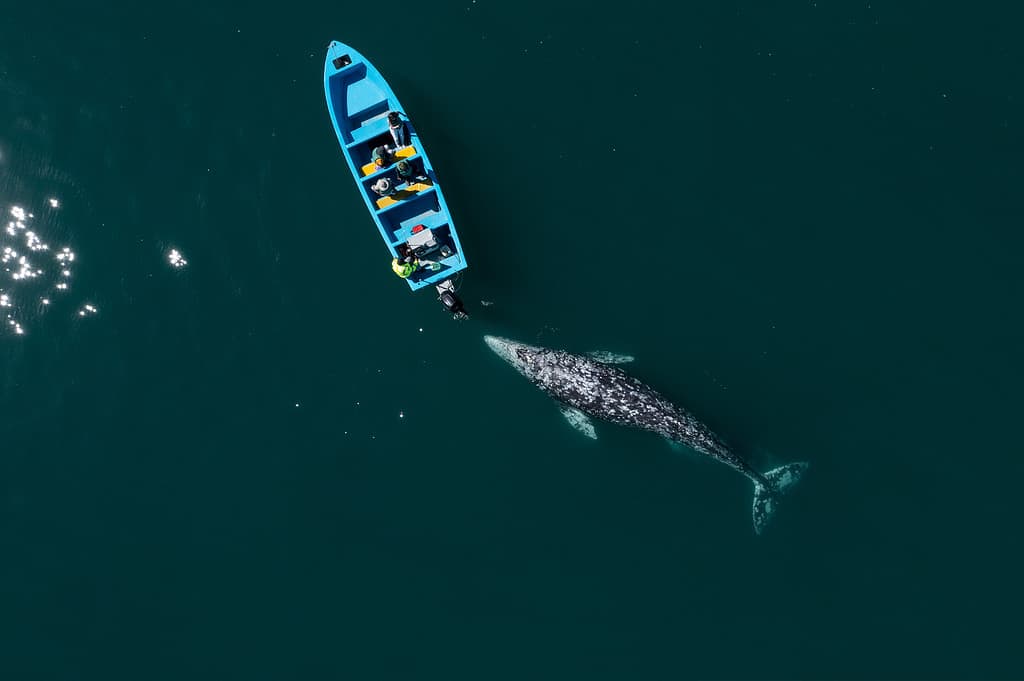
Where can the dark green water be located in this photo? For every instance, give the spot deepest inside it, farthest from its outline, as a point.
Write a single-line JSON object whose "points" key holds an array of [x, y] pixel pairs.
{"points": [[803, 220]]}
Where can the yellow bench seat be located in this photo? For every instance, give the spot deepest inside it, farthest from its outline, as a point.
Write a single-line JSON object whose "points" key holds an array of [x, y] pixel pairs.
{"points": [[402, 194]]}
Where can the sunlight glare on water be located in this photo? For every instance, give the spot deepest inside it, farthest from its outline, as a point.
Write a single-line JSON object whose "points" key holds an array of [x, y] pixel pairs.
{"points": [[31, 275], [176, 259]]}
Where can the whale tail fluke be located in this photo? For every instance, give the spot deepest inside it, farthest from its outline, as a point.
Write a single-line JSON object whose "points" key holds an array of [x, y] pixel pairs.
{"points": [[780, 480]]}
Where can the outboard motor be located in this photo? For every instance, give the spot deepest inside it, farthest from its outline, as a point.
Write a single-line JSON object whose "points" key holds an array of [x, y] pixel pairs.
{"points": [[451, 302]]}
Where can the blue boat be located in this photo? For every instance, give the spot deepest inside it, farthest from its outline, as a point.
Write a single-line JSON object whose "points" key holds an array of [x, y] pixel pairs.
{"points": [[411, 214]]}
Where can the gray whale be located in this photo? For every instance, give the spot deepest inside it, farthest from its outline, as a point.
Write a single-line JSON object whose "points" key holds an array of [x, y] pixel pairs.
{"points": [[588, 387]]}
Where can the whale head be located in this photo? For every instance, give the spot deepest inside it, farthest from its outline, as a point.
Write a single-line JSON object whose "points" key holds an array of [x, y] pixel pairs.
{"points": [[519, 355]]}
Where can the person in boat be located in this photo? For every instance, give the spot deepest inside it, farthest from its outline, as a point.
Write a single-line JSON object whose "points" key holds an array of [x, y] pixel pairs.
{"points": [[406, 266], [407, 172], [399, 132], [382, 156], [383, 187]]}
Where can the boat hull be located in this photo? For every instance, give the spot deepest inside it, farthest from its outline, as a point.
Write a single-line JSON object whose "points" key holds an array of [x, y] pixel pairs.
{"points": [[414, 219]]}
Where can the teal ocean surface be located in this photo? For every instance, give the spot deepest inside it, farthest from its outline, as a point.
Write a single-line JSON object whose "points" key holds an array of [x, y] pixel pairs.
{"points": [[233, 445]]}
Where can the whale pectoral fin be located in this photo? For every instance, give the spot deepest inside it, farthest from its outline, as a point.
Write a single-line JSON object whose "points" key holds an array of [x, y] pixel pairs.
{"points": [[580, 421], [674, 446], [606, 357]]}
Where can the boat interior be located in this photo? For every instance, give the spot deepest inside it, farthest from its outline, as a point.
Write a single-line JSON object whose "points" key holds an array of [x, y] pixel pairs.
{"points": [[420, 227], [364, 102], [412, 208]]}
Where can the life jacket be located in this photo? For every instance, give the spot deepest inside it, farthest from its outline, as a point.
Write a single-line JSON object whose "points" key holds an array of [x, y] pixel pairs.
{"points": [[403, 269]]}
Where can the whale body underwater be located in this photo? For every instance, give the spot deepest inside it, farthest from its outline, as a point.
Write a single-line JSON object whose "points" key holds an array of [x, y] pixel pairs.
{"points": [[593, 387]]}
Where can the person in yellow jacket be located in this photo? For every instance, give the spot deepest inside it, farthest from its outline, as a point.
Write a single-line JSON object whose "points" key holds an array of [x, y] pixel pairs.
{"points": [[405, 267]]}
